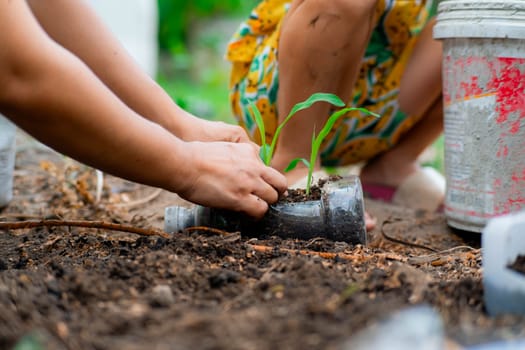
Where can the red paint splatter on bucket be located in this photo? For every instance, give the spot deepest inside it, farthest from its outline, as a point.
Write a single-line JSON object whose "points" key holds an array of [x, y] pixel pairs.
{"points": [[503, 151], [509, 86], [505, 78]]}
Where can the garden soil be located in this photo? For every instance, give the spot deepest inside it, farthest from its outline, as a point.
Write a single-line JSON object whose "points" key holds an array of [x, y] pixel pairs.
{"points": [[71, 287]]}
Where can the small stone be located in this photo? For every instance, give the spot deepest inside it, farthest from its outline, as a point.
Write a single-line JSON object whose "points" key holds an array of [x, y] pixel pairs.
{"points": [[223, 278], [137, 310], [162, 296], [3, 265], [62, 330]]}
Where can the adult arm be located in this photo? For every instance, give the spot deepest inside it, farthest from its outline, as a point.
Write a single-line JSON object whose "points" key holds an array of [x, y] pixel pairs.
{"points": [[55, 97], [75, 26]]}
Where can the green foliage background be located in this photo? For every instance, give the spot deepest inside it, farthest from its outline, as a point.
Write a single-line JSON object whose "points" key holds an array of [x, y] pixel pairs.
{"points": [[202, 90], [175, 17]]}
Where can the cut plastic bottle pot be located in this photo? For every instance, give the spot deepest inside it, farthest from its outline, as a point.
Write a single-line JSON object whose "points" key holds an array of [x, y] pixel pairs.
{"points": [[338, 216]]}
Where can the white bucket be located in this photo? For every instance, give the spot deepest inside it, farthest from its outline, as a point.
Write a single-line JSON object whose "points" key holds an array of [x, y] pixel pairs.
{"points": [[7, 160], [484, 98]]}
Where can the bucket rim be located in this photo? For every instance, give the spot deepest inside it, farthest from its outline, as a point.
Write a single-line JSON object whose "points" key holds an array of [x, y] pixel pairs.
{"points": [[470, 5], [480, 19]]}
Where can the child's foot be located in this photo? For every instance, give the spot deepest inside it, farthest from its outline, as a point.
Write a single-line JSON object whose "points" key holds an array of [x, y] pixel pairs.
{"points": [[370, 222], [422, 189]]}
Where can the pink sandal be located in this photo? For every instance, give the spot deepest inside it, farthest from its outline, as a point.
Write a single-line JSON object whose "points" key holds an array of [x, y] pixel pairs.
{"points": [[425, 189]]}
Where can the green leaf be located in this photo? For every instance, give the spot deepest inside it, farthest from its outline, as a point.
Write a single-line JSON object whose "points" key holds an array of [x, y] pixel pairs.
{"points": [[317, 97], [265, 152], [333, 118], [294, 163], [317, 141]]}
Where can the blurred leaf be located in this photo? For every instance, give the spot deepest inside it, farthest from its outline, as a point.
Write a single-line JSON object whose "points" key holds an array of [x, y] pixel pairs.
{"points": [[294, 163], [29, 342]]}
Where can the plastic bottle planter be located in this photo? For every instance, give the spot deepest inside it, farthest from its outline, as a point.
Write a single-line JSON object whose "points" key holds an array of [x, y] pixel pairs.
{"points": [[503, 240], [338, 216], [7, 160]]}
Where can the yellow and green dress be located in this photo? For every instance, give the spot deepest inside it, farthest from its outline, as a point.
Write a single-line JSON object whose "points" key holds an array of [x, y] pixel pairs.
{"points": [[255, 77]]}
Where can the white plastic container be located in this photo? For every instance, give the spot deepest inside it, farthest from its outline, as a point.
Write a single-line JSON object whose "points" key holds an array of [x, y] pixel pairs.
{"points": [[135, 24], [503, 240], [417, 327], [7, 160], [484, 99]]}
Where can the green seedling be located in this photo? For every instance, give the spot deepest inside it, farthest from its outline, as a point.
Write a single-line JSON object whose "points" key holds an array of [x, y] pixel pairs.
{"points": [[318, 140], [267, 150]]}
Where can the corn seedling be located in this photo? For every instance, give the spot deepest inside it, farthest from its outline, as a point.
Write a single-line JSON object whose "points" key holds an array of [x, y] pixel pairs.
{"points": [[318, 140], [267, 150]]}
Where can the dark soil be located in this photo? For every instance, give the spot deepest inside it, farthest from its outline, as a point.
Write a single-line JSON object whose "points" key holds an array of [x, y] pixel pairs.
{"points": [[519, 264], [81, 288], [295, 195]]}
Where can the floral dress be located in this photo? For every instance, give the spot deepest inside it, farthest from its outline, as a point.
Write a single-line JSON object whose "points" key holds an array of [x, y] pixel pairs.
{"points": [[255, 77]]}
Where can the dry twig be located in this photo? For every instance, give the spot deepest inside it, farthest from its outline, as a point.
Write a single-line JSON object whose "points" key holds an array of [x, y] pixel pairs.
{"points": [[304, 252], [422, 259], [399, 241], [324, 255], [81, 223], [207, 229]]}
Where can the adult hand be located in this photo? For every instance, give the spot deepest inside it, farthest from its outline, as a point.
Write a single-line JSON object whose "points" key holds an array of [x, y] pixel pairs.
{"points": [[230, 176], [192, 128]]}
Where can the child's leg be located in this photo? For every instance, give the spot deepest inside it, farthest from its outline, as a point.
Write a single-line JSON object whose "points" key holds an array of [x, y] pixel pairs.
{"points": [[320, 50], [419, 94]]}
